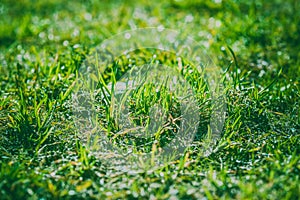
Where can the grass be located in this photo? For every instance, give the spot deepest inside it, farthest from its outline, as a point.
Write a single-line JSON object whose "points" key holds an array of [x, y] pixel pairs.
{"points": [[255, 44]]}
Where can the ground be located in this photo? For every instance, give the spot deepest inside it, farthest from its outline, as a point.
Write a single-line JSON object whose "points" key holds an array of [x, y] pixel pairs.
{"points": [[255, 44]]}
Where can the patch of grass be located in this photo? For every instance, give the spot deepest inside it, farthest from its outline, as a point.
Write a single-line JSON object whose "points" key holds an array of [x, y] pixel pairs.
{"points": [[42, 47]]}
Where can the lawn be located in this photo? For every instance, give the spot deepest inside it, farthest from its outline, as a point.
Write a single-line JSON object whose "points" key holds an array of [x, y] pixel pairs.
{"points": [[69, 131]]}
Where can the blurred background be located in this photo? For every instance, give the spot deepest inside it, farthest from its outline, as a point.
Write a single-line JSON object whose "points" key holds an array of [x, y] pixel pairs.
{"points": [[263, 34]]}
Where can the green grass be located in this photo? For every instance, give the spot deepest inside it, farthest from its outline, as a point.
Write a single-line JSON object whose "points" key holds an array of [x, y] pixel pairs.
{"points": [[255, 44]]}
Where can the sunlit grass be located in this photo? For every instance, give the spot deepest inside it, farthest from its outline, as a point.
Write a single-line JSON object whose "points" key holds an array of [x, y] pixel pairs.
{"points": [[42, 48]]}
